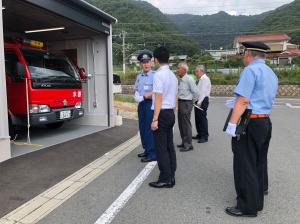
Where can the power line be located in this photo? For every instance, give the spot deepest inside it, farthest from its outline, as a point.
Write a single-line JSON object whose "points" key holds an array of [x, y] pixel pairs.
{"points": [[224, 5], [215, 8], [161, 34]]}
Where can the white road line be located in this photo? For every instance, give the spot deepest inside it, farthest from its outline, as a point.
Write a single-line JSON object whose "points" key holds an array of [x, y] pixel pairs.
{"points": [[291, 106], [120, 202]]}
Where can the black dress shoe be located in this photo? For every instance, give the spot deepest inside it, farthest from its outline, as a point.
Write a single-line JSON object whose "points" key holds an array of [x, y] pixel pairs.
{"points": [[142, 155], [234, 211], [196, 137], [180, 146], [173, 181], [159, 184], [146, 160], [185, 149], [202, 140]]}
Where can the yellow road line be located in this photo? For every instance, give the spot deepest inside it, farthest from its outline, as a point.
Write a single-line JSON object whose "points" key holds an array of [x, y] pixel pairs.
{"points": [[26, 144], [37, 208]]}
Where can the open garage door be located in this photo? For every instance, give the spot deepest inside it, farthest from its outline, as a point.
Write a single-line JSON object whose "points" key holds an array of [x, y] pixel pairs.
{"points": [[83, 33]]}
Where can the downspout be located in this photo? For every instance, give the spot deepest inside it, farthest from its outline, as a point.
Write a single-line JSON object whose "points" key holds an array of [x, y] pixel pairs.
{"points": [[107, 80]]}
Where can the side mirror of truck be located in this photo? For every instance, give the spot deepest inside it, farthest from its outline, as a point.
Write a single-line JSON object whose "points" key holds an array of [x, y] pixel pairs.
{"points": [[20, 73], [82, 74], [116, 79]]}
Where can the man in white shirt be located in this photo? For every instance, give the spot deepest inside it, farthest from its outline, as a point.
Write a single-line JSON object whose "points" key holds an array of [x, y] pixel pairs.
{"points": [[164, 91], [204, 86]]}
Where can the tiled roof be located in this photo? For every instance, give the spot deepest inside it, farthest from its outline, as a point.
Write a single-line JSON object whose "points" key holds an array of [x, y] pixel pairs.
{"points": [[287, 53], [262, 37]]}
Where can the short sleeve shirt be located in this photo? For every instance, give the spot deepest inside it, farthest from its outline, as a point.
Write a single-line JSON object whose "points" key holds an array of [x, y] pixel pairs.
{"points": [[165, 82], [144, 83], [258, 83]]}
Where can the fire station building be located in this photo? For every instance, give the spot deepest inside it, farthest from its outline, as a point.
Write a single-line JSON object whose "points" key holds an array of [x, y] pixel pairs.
{"points": [[75, 27]]}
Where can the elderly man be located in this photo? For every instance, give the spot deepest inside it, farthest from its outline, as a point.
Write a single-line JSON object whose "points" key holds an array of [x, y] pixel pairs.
{"points": [[187, 92], [204, 87], [143, 96]]}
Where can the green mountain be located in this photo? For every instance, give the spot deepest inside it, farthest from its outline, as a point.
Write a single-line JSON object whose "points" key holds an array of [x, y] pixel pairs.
{"points": [[217, 30], [146, 28], [285, 19]]}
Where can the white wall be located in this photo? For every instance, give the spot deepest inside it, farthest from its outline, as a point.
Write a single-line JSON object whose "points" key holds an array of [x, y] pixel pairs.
{"points": [[92, 55], [5, 152]]}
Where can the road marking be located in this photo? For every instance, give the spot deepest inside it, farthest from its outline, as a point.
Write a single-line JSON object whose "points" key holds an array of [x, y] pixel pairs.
{"points": [[39, 207], [291, 106], [120, 202], [26, 144]]}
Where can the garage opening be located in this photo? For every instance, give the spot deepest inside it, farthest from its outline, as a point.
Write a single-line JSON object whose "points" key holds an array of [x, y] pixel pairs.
{"points": [[74, 39]]}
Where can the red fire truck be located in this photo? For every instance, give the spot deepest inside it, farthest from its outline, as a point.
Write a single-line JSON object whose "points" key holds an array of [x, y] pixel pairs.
{"points": [[42, 88]]}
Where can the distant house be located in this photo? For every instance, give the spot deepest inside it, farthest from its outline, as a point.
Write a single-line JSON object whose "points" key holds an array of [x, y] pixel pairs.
{"points": [[281, 51], [219, 54], [133, 58], [177, 58]]}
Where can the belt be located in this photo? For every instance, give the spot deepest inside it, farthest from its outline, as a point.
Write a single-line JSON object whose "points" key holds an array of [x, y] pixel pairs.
{"points": [[259, 115], [184, 100]]}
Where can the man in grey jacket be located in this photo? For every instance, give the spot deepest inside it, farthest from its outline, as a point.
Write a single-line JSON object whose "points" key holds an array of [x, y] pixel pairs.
{"points": [[187, 92]]}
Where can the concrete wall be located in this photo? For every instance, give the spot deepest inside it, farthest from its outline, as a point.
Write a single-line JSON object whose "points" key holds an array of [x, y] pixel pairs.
{"points": [[227, 90], [4, 137], [94, 54]]}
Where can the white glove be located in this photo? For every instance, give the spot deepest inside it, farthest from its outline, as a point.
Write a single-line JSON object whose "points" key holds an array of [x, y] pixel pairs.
{"points": [[230, 103], [137, 97], [231, 128]]}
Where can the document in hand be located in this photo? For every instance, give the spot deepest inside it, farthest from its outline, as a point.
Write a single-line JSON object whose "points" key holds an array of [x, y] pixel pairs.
{"points": [[242, 124], [195, 105]]}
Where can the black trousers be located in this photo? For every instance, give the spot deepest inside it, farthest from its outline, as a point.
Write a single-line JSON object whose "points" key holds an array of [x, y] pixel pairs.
{"points": [[201, 119], [164, 145], [250, 164], [185, 108]]}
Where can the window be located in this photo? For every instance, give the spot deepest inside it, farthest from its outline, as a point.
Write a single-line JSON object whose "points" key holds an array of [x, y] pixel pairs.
{"points": [[11, 61]]}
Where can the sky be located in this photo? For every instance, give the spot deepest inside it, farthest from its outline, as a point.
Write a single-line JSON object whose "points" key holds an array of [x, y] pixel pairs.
{"points": [[206, 7]]}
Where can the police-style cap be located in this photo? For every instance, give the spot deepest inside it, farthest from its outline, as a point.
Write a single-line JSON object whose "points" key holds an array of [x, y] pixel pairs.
{"points": [[145, 56], [256, 46]]}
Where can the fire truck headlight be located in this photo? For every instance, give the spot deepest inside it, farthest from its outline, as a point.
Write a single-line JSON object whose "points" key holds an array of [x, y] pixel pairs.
{"points": [[33, 108], [36, 108], [78, 105], [44, 109]]}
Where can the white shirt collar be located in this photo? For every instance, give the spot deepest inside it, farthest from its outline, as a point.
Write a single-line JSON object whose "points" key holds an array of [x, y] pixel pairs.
{"points": [[204, 75], [163, 67]]}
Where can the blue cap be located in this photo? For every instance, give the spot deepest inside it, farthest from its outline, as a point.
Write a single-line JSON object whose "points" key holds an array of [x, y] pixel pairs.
{"points": [[145, 56]]}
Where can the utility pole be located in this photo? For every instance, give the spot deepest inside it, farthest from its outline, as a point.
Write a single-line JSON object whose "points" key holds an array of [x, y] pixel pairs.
{"points": [[124, 50]]}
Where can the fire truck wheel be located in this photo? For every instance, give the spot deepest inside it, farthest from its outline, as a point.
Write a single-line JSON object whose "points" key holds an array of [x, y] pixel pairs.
{"points": [[55, 125]]}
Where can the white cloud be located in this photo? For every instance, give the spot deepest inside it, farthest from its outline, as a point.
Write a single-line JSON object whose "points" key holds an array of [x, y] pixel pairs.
{"points": [[236, 7]]}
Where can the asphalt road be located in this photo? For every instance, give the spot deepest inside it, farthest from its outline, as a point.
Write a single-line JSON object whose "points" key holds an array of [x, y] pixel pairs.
{"points": [[204, 181]]}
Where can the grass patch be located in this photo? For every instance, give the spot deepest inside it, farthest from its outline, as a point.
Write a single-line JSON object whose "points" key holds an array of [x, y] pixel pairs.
{"points": [[124, 98]]}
